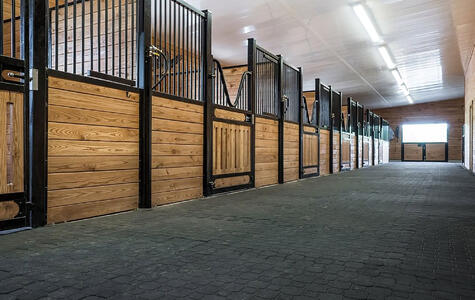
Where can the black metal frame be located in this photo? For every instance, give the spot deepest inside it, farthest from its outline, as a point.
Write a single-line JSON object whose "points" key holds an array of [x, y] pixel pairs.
{"points": [[320, 87], [335, 111], [423, 145], [310, 120], [359, 132]]}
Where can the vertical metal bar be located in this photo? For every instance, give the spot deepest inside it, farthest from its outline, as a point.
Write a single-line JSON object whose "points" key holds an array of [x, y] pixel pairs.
{"points": [[207, 98], [56, 35], [300, 120], [83, 27], [106, 29], [132, 39], [183, 51], [38, 114], [169, 79], [127, 37], [99, 64], [281, 120], [66, 36], [174, 49], [1, 27], [12, 29], [74, 35], [120, 38], [91, 32], [188, 54], [113, 38], [144, 74], [251, 66]]}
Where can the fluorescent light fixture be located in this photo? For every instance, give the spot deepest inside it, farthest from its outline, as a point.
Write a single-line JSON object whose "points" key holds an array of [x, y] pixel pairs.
{"points": [[397, 76], [383, 50], [409, 99], [248, 29], [362, 14], [405, 89]]}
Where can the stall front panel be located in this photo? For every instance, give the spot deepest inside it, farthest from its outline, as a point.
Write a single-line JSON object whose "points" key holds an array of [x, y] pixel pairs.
{"points": [[325, 128]]}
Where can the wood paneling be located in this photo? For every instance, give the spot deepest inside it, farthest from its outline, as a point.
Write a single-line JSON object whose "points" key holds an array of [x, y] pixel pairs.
{"points": [[93, 148], [367, 151], [324, 152], [267, 152], [291, 151], [310, 150], [450, 112], [345, 150], [11, 142], [360, 151], [177, 151], [435, 152], [8, 210], [413, 152], [336, 152], [233, 79], [353, 154], [310, 100]]}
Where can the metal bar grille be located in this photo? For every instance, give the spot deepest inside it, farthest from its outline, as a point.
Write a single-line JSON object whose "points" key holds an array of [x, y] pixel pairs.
{"points": [[10, 31], [93, 35], [336, 110], [267, 87], [325, 107], [177, 49], [291, 93], [221, 95]]}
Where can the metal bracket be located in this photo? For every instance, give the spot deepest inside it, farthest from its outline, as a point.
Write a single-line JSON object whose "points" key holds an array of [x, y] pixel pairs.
{"points": [[33, 79]]}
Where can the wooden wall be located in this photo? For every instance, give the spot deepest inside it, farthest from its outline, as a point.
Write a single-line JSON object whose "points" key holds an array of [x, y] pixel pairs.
{"points": [[367, 151], [324, 152], [336, 152], [360, 151], [450, 111], [345, 150], [310, 150], [310, 100], [267, 152], [11, 150], [353, 154], [93, 148], [177, 151], [233, 77], [291, 151]]}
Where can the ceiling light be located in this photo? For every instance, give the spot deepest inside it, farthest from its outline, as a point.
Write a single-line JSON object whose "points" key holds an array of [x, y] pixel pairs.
{"points": [[362, 14], [387, 57], [409, 98], [397, 76], [405, 89], [248, 29]]}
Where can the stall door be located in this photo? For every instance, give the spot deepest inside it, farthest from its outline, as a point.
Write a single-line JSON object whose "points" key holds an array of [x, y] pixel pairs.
{"points": [[12, 198], [413, 152], [436, 152]]}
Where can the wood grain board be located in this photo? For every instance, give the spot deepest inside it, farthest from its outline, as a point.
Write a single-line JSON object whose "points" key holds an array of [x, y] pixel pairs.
{"points": [[336, 152], [267, 151], [324, 152], [291, 152], [93, 150]]}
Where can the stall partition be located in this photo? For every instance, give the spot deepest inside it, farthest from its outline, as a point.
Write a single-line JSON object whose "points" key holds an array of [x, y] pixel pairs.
{"points": [[324, 94], [335, 133]]}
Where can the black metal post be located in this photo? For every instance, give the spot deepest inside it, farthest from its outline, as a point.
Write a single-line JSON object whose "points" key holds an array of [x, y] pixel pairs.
{"points": [[252, 105], [281, 119], [144, 81], [301, 107], [207, 97], [332, 120], [38, 113]]}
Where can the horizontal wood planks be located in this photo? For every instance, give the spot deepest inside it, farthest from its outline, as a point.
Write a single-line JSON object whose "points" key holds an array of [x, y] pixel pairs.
{"points": [[435, 152], [310, 147], [413, 152], [291, 151], [177, 151], [336, 152], [267, 152], [11, 142], [324, 152], [93, 148]]}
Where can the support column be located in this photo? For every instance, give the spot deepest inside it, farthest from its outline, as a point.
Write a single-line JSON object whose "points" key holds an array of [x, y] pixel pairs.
{"points": [[207, 98]]}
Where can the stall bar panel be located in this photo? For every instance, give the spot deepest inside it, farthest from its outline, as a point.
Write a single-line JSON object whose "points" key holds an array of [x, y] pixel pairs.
{"points": [[93, 148], [292, 96], [10, 35], [354, 134], [324, 107], [376, 138], [346, 137], [94, 37], [310, 143], [266, 79], [336, 119]]}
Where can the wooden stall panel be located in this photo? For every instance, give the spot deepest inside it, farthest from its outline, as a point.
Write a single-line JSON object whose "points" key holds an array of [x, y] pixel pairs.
{"points": [[231, 148], [11, 142], [324, 152], [360, 151], [336, 152], [267, 152], [376, 151], [11, 151], [353, 154], [233, 79], [435, 152], [177, 151], [310, 151], [413, 152], [291, 151], [93, 148], [345, 150], [368, 151]]}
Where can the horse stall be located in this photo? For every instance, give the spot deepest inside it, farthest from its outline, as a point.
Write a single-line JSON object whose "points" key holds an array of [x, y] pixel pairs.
{"points": [[323, 94], [368, 139], [13, 111], [311, 135], [335, 133], [346, 137], [290, 122]]}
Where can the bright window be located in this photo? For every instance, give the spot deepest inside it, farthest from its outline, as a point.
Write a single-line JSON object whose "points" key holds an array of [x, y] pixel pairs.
{"points": [[424, 133]]}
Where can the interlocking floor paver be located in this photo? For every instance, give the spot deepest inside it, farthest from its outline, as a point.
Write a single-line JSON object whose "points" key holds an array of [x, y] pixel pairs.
{"points": [[398, 231]]}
